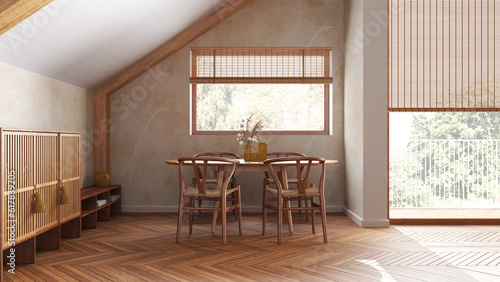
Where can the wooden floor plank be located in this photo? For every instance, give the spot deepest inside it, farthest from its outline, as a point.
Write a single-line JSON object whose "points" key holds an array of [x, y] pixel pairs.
{"points": [[141, 247]]}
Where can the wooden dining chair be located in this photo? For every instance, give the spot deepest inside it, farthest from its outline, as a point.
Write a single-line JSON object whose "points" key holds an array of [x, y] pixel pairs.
{"points": [[286, 194], [224, 171], [268, 180], [211, 180]]}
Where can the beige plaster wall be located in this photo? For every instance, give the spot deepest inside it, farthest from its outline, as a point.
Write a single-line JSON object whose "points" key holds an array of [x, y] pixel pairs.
{"points": [[375, 114], [353, 105], [32, 101], [151, 119]]}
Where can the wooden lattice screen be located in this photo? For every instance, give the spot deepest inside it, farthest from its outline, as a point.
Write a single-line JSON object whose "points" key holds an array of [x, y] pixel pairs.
{"points": [[38, 161], [45, 167], [70, 173]]}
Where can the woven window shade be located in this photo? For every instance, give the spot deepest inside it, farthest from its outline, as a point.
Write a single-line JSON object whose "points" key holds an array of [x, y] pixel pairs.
{"points": [[260, 65], [443, 55]]}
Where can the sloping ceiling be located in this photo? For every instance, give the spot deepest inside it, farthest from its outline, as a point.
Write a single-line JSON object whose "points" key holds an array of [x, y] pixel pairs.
{"points": [[87, 42]]}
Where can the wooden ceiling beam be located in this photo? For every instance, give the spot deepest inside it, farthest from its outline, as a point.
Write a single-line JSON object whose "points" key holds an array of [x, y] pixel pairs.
{"points": [[12, 12], [171, 47]]}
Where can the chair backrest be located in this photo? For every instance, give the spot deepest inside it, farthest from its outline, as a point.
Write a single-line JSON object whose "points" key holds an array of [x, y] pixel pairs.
{"points": [[216, 154], [274, 155], [303, 166], [223, 167]]}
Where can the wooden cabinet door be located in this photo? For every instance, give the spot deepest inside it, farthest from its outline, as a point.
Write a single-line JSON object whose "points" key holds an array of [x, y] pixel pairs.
{"points": [[17, 186], [45, 164], [70, 174]]}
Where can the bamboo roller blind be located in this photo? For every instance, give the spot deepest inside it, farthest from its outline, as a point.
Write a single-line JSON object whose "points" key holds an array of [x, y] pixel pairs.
{"points": [[443, 55], [261, 65]]}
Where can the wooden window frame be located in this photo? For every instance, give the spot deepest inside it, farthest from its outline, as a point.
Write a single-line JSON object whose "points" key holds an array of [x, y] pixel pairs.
{"points": [[326, 80]]}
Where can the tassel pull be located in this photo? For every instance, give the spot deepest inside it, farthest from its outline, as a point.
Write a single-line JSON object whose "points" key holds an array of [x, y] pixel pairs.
{"points": [[39, 205], [64, 196]]}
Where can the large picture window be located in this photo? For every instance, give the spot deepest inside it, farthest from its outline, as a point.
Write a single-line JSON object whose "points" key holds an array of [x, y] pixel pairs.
{"points": [[288, 88], [444, 110]]}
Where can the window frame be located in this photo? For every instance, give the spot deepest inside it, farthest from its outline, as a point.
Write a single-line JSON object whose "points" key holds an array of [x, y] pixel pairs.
{"points": [[327, 99]]}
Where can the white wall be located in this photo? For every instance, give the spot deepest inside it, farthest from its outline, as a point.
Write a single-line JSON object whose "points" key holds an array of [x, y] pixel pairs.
{"points": [[32, 101], [369, 167], [353, 105]]}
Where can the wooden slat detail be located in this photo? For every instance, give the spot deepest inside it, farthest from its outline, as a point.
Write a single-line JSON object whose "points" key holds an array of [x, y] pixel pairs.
{"points": [[23, 221], [45, 165], [73, 189], [36, 159], [70, 171], [70, 156], [19, 158], [442, 55], [13, 12], [49, 195]]}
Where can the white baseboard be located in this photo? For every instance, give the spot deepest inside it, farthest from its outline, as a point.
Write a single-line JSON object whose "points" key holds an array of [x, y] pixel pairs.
{"points": [[175, 209], [366, 223], [354, 217]]}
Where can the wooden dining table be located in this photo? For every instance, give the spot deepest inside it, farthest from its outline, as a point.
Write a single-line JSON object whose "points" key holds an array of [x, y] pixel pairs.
{"points": [[260, 166], [254, 166]]}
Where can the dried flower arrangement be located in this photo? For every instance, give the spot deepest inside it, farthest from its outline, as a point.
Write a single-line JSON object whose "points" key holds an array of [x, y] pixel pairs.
{"points": [[249, 133]]}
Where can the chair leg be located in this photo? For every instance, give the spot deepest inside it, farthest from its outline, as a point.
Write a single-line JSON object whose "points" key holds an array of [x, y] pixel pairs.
{"points": [[306, 211], [289, 216], [264, 209], [280, 218], [199, 205], [239, 211], [234, 202], [179, 220], [323, 217], [233, 196], [300, 204], [313, 216], [223, 213], [215, 216], [191, 213]]}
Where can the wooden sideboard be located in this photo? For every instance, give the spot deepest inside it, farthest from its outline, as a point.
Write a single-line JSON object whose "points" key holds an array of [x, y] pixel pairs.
{"points": [[38, 161]]}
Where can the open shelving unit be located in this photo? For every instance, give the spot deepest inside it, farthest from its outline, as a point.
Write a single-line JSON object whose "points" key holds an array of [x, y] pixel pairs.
{"points": [[93, 211]]}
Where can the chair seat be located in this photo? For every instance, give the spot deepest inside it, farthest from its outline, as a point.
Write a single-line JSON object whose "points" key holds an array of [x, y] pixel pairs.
{"points": [[270, 180], [310, 192], [211, 193]]}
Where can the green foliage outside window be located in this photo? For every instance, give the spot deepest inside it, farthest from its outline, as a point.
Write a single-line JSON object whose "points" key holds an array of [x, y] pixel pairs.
{"points": [[280, 106], [453, 161]]}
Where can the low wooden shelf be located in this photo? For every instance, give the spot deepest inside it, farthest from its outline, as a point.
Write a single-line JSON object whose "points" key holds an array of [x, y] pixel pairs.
{"points": [[91, 212]]}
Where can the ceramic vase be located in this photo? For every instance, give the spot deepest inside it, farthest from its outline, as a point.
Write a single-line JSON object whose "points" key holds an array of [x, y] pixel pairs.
{"points": [[101, 179], [247, 156]]}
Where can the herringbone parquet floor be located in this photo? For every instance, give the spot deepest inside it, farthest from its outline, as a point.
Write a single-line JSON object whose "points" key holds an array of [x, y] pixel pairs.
{"points": [[141, 247]]}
